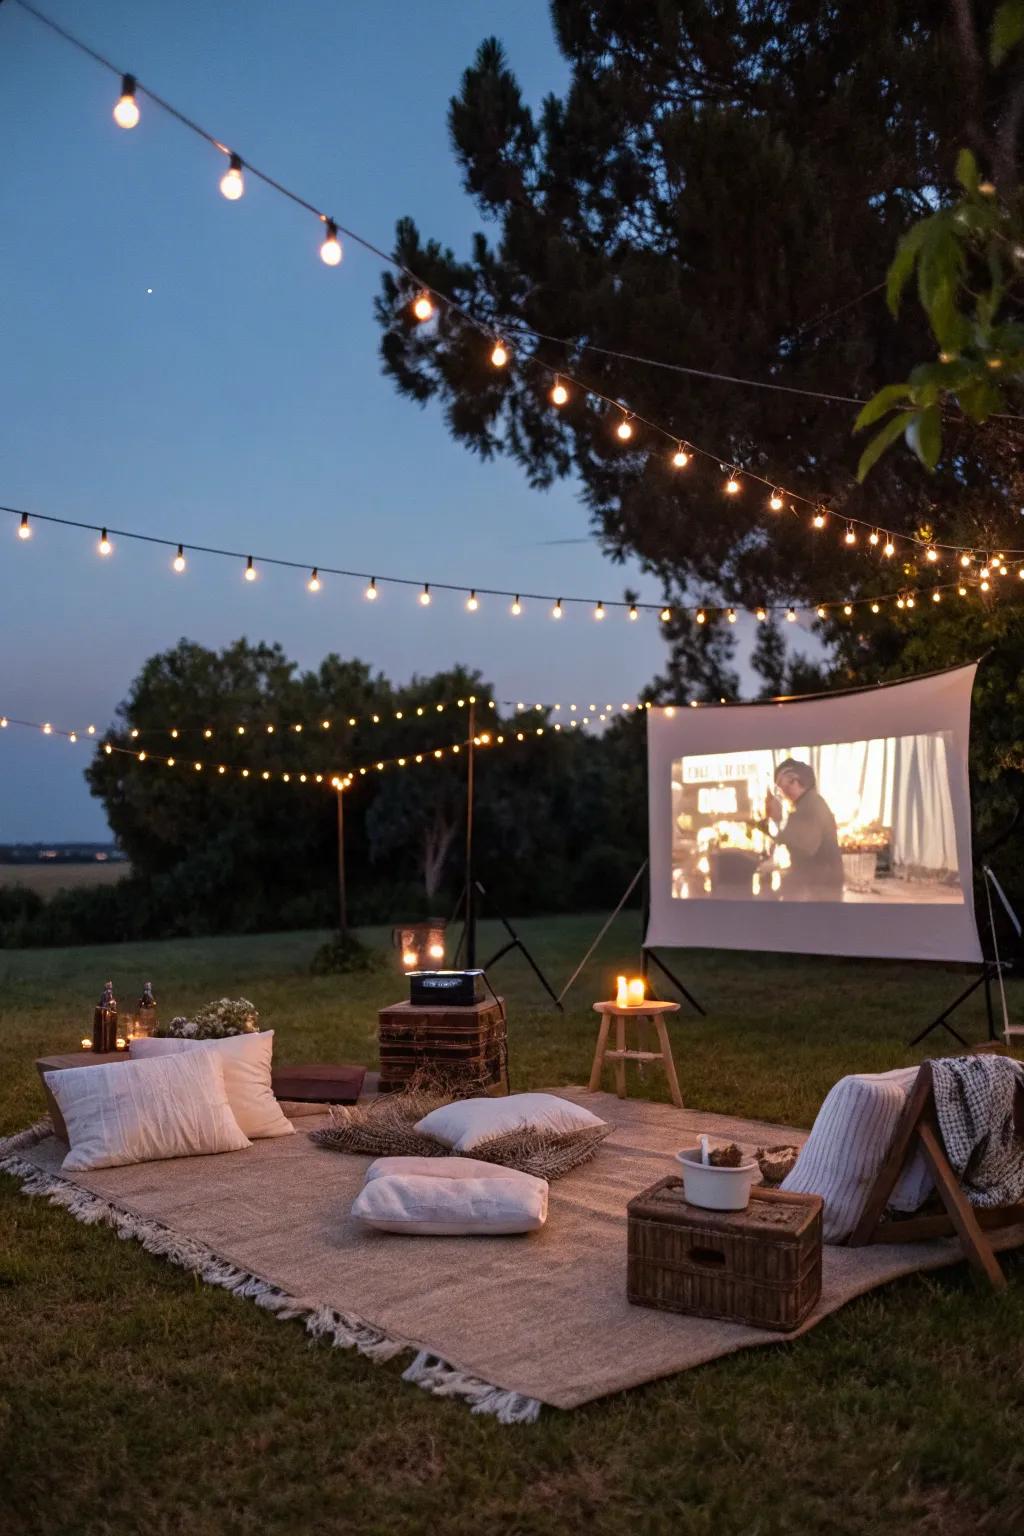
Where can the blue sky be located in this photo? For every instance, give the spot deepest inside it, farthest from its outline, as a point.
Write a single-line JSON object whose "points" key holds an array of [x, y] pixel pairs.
{"points": [[241, 402]]}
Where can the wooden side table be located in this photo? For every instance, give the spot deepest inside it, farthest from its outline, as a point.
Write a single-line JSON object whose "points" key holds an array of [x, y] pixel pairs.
{"points": [[654, 1014]]}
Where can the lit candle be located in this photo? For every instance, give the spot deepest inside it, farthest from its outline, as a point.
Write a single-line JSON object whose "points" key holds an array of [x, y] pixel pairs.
{"points": [[622, 995], [636, 992], [86, 1045], [121, 1043]]}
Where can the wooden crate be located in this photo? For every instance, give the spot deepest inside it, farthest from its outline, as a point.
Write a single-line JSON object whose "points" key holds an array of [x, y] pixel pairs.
{"points": [[463, 1047], [761, 1266]]}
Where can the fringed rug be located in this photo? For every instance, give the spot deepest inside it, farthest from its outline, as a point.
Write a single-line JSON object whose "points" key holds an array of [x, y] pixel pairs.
{"points": [[504, 1323]]}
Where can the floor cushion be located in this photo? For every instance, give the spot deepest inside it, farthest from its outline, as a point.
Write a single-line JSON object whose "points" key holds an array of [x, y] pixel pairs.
{"points": [[502, 1201], [246, 1060], [848, 1144], [439, 1168], [142, 1111], [470, 1122]]}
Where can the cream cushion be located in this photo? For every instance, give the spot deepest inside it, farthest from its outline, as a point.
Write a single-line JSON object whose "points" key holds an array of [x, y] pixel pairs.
{"points": [[246, 1060], [469, 1122], [141, 1111], [502, 1201], [848, 1144], [439, 1168]]}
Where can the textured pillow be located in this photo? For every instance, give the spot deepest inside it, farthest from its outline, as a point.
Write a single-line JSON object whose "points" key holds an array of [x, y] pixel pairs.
{"points": [[140, 1111], [469, 1122], [849, 1142], [246, 1060], [504, 1201], [440, 1168]]}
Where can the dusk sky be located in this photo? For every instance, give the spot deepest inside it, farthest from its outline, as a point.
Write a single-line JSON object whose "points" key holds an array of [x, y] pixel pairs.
{"points": [[187, 367]]}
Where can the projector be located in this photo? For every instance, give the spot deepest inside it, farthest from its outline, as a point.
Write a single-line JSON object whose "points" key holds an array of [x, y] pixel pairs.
{"points": [[433, 989]]}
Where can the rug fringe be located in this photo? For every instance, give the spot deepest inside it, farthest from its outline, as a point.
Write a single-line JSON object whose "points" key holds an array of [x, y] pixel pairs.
{"points": [[320, 1321]]}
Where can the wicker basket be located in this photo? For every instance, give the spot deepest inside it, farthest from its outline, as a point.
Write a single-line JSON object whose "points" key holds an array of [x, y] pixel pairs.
{"points": [[463, 1048], [761, 1266]]}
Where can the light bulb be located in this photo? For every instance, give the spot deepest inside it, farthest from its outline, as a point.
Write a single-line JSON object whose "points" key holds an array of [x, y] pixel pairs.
{"points": [[931, 554], [314, 581], [232, 183], [624, 430], [761, 615], [732, 485], [250, 570], [517, 606], [821, 610], [965, 559], [126, 112], [901, 602], [423, 306], [499, 356], [47, 730], [818, 520], [559, 393], [984, 586], [24, 531], [791, 615], [851, 537], [731, 615], [874, 608], [633, 614], [888, 549], [330, 251], [984, 573], [873, 536], [910, 602], [665, 615], [471, 602], [847, 609], [599, 610], [425, 595], [104, 546], [556, 612], [936, 597], [701, 616], [775, 501], [680, 458], [179, 560], [962, 591], [371, 592]]}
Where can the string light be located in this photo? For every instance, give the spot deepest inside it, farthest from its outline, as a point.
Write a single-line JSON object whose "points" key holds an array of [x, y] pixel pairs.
{"points": [[818, 520], [791, 615], [761, 615], [875, 608], [423, 306], [873, 536], [179, 560], [599, 610], [371, 592], [559, 393], [966, 560], [847, 609], [732, 485], [680, 458], [936, 597], [556, 612], [425, 595], [24, 531], [314, 581], [851, 536], [821, 611], [633, 613], [775, 501], [499, 356], [665, 615], [931, 554], [330, 251], [104, 546], [889, 548], [517, 606], [232, 183], [701, 616], [126, 112], [250, 570], [731, 615], [624, 430], [471, 602]]}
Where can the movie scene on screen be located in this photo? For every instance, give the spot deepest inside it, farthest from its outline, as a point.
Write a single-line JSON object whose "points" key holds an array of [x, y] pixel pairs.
{"points": [[851, 821]]}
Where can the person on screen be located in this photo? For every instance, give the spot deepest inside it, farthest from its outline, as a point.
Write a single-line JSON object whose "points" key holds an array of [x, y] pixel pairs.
{"points": [[815, 870]]}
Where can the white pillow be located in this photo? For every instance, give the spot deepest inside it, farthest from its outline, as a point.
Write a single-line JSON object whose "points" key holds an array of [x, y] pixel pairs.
{"points": [[440, 1168], [247, 1065], [503, 1202], [849, 1142], [465, 1124], [140, 1111]]}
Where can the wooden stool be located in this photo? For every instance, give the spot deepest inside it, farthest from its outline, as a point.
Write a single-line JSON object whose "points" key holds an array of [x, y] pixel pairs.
{"points": [[654, 1014]]}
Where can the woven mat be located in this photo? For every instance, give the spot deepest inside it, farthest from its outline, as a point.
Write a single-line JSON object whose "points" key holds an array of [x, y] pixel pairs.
{"points": [[543, 1316]]}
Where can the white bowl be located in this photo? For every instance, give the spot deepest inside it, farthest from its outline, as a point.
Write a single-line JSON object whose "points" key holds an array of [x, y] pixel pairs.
{"points": [[716, 1189]]}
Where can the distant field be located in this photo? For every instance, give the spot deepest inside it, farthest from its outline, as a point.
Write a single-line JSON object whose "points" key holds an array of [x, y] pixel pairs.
{"points": [[48, 878]]}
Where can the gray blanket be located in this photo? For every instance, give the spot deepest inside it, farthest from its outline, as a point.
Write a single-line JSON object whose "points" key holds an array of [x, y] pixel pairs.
{"points": [[974, 1102]]}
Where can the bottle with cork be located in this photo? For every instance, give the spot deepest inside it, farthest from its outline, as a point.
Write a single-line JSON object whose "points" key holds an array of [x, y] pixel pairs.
{"points": [[104, 1020], [144, 1022]]}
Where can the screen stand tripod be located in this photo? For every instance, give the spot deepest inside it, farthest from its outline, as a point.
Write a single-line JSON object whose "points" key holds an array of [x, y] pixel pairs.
{"points": [[991, 970], [468, 938]]}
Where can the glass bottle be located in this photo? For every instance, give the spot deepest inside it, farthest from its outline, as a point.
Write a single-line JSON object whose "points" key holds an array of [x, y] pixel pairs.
{"points": [[144, 1023], [104, 1028]]}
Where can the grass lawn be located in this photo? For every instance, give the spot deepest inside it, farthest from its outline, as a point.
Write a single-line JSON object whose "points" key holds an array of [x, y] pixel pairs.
{"points": [[132, 1398]]}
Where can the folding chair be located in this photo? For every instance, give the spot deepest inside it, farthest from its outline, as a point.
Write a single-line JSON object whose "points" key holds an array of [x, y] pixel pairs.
{"points": [[969, 1223]]}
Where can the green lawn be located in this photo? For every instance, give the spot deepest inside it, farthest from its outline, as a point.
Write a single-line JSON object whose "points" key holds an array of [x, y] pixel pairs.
{"points": [[133, 1399]]}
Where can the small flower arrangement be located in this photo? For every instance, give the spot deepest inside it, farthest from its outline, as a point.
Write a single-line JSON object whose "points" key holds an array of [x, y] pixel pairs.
{"points": [[215, 1021]]}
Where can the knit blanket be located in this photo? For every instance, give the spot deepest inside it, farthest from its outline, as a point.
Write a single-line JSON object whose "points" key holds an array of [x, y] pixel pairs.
{"points": [[974, 1103]]}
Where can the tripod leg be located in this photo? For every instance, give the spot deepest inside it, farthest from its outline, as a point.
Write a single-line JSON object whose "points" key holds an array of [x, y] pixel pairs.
{"points": [[941, 1021], [650, 957], [515, 942]]}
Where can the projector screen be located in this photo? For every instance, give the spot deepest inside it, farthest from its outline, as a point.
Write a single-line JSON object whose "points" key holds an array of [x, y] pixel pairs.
{"points": [[831, 826]]}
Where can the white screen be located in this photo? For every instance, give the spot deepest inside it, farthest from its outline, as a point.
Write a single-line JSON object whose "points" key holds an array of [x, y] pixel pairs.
{"points": [[838, 825]]}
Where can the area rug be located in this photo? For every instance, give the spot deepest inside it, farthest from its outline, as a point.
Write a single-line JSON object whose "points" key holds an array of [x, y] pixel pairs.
{"points": [[505, 1323]]}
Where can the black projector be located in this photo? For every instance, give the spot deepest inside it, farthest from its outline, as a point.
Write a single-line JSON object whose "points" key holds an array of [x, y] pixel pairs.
{"points": [[434, 989]]}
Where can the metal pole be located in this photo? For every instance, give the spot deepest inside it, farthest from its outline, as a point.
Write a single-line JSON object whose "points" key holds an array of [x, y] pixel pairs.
{"points": [[470, 885], [342, 899]]}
